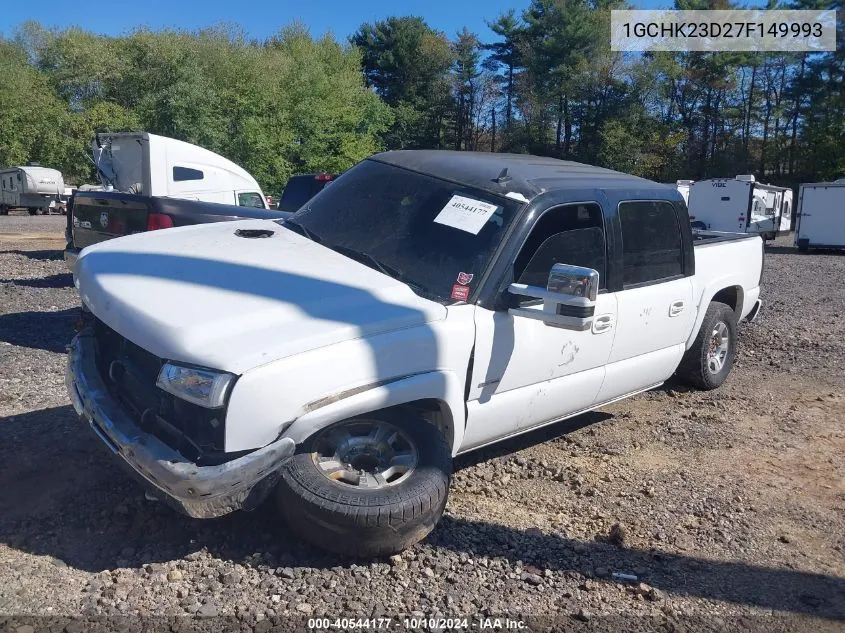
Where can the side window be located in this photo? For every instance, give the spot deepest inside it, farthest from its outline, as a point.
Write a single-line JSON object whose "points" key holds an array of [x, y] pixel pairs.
{"points": [[250, 199], [651, 242], [570, 234], [296, 193], [186, 173]]}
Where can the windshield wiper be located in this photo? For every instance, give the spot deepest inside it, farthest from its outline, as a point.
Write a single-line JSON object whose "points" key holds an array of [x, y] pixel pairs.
{"points": [[390, 271], [296, 226]]}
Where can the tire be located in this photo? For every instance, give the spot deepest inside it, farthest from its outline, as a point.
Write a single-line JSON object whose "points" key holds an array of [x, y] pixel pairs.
{"points": [[697, 367], [360, 521], [4, 210], [32, 211]]}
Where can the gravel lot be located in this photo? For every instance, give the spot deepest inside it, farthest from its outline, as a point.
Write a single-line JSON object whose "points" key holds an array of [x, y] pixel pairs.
{"points": [[728, 507]]}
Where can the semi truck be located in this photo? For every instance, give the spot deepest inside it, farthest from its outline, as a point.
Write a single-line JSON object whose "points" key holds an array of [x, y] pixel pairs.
{"points": [[150, 182], [152, 165]]}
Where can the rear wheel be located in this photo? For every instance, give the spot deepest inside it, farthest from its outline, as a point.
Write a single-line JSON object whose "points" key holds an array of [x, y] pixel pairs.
{"points": [[4, 210], [708, 362], [32, 211], [368, 486]]}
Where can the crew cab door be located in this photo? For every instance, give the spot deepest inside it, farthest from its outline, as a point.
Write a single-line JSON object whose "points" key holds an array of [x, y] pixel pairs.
{"points": [[527, 372], [655, 310]]}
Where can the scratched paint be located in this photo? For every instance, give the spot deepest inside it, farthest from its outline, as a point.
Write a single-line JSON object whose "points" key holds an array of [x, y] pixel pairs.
{"points": [[568, 353]]}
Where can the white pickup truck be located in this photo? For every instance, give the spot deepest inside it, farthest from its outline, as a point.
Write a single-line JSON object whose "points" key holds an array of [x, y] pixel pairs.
{"points": [[425, 304]]}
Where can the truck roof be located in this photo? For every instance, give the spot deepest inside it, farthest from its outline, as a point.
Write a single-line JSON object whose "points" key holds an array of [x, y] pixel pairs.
{"points": [[529, 175]]}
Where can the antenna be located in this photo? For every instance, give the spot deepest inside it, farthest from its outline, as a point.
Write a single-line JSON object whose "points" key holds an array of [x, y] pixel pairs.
{"points": [[503, 177]]}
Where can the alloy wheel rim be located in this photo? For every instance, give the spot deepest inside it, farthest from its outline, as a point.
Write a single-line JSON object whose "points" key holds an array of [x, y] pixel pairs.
{"points": [[717, 353], [368, 454]]}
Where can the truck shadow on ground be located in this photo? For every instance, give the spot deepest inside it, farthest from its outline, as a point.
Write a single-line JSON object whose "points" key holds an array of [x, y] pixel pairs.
{"points": [[61, 280], [51, 331], [41, 255], [73, 504], [506, 448]]}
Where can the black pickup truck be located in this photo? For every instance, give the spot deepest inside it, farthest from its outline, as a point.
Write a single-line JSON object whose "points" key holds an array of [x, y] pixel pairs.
{"points": [[96, 216]]}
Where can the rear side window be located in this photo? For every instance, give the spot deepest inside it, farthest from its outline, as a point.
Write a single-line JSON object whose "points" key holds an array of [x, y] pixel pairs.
{"points": [[299, 190], [651, 241], [186, 173]]}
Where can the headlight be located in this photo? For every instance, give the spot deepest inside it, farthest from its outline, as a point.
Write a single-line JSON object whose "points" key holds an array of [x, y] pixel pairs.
{"points": [[204, 387]]}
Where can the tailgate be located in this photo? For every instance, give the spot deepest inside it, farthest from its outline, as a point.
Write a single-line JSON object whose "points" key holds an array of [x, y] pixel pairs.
{"points": [[96, 219]]}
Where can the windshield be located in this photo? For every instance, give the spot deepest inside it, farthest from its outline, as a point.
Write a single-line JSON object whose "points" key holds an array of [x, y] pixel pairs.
{"points": [[429, 233]]}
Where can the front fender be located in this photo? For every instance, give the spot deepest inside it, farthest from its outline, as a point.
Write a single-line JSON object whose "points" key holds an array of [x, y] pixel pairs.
{"points": [[443, 386], [300, 394]]}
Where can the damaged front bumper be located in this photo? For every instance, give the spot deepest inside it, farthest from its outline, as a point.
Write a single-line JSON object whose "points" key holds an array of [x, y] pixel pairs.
{"points": [[198, 491]]}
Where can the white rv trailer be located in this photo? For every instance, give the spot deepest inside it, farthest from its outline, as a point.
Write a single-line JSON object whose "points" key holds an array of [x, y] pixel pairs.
{"points": [[787, 214], [821, 215], [31, 186], [739, 205], [152, 165]]}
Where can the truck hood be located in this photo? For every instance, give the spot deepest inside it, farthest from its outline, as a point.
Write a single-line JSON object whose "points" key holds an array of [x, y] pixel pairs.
{"points": [[206, 296]]}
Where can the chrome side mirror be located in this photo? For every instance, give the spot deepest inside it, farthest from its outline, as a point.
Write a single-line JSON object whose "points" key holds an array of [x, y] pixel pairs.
{"points": [[569, 299], [574, 281]]}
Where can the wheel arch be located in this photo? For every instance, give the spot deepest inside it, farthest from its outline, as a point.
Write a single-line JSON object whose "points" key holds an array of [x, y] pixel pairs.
{"points": [[436, 397], [732, 295]]}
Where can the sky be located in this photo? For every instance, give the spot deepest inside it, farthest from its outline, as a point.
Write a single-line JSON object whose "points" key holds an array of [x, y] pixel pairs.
{"points": [[261, 18]]}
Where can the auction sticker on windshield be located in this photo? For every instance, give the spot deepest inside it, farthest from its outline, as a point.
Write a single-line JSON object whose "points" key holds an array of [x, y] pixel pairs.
{"points": [[466, 214]]}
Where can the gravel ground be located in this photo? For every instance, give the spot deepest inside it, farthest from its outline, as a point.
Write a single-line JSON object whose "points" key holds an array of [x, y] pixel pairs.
{"points": [[728, 507]]}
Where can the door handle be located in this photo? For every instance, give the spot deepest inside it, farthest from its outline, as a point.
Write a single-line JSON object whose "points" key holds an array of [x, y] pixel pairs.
{"points": [[676, 308], [602, 323]]}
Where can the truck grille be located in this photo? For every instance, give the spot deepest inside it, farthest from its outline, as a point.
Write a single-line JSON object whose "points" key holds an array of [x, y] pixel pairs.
{"points": [[130, 372]]}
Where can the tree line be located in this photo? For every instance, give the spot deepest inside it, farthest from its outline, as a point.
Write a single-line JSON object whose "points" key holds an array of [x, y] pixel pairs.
{"points": [[545, 82]]}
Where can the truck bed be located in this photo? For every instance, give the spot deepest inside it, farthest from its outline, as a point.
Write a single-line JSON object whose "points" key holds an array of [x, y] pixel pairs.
{"points": [[700, 238]]}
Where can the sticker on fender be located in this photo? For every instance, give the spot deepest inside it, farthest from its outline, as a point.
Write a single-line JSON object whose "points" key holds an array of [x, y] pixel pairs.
{"points": [[466, 214], [459, 292]]}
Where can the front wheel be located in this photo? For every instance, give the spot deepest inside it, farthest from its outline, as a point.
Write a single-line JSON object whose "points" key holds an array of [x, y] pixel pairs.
{"points": [[708, 362], [369, 486], [32, 211]]}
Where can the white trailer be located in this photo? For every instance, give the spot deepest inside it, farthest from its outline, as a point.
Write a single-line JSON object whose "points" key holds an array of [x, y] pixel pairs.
{"points": [[31, 187], [821, 215], [787, 214], [152, 165], [739, 205]]}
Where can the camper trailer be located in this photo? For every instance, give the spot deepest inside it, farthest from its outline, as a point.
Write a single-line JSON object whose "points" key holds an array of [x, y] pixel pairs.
{"points": [[787, 216], [151, 165], [740, 205], [821, 215], [31, 187]]}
